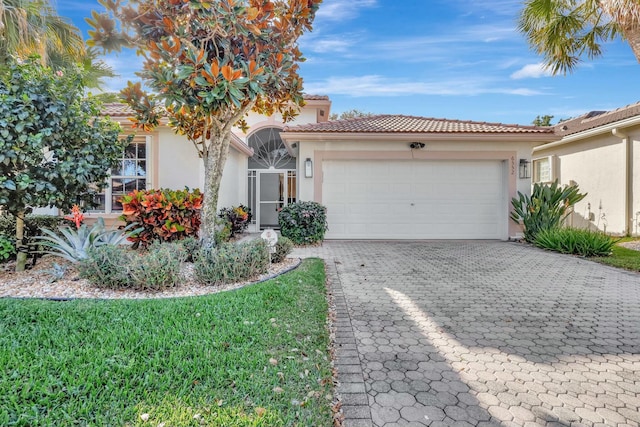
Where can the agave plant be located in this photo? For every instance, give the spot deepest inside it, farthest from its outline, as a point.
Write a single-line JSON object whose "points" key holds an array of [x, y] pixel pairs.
{"points": [[73, 244]]}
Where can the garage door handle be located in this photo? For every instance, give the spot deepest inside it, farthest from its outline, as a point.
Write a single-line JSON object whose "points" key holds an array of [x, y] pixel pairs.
{"points": [[413, 204]]}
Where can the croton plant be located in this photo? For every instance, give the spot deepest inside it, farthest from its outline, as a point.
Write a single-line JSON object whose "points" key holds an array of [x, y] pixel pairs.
{"points": [[164, 215]]}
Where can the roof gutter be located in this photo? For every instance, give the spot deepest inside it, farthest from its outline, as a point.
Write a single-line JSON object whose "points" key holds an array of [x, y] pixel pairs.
{"points": [[632, 121]]}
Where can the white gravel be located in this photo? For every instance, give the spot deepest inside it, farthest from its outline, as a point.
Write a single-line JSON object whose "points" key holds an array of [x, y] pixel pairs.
{"points": [[36, 283]]}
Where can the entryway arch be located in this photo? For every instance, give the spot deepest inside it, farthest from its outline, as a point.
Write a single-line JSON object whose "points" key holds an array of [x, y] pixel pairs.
{"points": [[272, 177]]}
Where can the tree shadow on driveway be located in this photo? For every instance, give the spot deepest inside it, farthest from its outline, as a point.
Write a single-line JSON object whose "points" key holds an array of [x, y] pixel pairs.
{"points": [[492, 332]]}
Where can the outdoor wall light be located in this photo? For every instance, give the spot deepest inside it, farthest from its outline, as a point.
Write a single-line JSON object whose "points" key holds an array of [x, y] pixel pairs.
{"points": [[525, 170], [416, 145], [308, 168]]}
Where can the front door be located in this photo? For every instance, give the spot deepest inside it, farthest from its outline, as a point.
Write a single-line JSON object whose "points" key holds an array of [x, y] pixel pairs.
{"points": [[269, 191]]}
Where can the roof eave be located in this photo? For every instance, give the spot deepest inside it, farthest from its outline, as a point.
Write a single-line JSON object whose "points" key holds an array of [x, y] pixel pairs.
{"points": [[622, 124], [291, 137]]}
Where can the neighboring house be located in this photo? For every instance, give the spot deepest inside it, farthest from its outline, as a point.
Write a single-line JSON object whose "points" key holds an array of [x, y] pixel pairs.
{"points": [[381, 177], [599, 151]]}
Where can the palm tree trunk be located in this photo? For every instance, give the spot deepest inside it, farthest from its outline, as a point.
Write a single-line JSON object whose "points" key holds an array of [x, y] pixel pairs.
{"points": [[633, 38]]}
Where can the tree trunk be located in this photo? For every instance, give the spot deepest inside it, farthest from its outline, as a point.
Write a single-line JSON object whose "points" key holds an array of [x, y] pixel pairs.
{"points": [[21, 257], [633, 37], [214, 163]]}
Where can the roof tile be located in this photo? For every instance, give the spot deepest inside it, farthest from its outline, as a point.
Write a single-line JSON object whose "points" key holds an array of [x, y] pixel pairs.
{"points": [[594, 119], [116, 109], [412, 124]]}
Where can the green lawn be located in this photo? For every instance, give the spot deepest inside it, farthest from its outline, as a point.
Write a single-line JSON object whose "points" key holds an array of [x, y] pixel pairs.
{"points": [[257, 356], [622, 257]]}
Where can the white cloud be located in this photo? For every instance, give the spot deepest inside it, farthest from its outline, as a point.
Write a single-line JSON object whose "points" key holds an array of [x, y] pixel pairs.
{"points": [[377, 85], [342, 10], [532, 71], [330, 44]]}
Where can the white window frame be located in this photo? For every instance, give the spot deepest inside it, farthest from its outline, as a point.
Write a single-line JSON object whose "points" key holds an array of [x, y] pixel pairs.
{"points": [[108, 190], [536, 172]]}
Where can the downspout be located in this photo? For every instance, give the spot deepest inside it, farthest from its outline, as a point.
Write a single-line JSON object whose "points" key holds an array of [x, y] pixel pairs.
{"points": [[628, 170]]}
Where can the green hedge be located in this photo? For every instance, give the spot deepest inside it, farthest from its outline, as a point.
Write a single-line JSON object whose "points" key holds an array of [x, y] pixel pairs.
{"points": [[575, 241]]}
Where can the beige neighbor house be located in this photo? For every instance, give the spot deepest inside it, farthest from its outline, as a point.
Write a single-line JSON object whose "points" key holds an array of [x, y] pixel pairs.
{"points": [[380, 177], [600, 151]]}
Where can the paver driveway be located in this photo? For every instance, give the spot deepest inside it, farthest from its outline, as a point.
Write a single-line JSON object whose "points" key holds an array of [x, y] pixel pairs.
{"points": [[482, 333]]}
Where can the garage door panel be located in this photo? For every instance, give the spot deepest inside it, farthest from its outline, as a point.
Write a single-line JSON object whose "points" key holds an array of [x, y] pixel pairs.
{"points": [[415, 199]]}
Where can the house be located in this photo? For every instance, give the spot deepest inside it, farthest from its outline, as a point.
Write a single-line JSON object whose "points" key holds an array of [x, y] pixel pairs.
{"points": [[404, 177], [380, 177], [599, 151]]}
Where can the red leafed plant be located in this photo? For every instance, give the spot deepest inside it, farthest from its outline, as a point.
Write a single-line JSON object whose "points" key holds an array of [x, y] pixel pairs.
{"points": [[164, 215]]}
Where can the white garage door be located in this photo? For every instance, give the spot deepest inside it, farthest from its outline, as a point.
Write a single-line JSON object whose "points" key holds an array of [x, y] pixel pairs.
{"points": [[432, 199]]}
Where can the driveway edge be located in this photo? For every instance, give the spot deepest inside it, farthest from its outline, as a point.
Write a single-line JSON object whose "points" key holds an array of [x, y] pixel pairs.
{"points": [[350, 388]]}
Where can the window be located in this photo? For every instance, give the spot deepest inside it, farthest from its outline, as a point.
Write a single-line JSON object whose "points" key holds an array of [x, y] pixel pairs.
{"points": [[130, 174], [269, 152], [542, 170]]}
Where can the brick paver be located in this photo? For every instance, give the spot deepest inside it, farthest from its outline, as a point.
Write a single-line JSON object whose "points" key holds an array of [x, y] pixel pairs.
{"points": [[482, 333]]}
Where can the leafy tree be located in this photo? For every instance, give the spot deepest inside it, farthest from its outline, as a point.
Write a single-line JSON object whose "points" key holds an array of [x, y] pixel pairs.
{"points": [[55, 149], [349, 114], [209, 63], [542, 120], [565, 30]]}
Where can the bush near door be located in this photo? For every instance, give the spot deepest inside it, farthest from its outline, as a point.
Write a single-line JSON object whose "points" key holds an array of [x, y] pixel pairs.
{"points": [[303, 222]]}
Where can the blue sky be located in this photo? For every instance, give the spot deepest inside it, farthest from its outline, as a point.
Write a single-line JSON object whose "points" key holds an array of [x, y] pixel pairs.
{"points": [[457, 59]]}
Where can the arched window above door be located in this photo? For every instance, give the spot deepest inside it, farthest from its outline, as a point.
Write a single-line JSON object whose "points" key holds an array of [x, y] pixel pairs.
{"points": [[269, 151]]}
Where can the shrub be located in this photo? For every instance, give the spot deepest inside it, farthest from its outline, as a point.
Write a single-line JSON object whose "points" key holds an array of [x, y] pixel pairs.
{"points": [[222, 231], [231, 262], [118, 267], [545, 209], [238, 219], [575, 241], [157, 268], [303, 222], [284, 246], [73, 244], [191, 246], [7, 249], [106, 266], [163, 215], [32, 226]]}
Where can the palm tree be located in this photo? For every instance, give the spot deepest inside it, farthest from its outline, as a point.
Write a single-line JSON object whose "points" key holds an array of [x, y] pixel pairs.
{"points": [[32, 27], [565, 30]]}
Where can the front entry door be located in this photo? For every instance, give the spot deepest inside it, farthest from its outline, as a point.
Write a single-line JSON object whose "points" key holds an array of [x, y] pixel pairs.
{"points": [[274, 190]]}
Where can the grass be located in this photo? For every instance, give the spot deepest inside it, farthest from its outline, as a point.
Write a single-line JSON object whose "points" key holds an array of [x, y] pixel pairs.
{"points": [[252, 357], [622, 257]]}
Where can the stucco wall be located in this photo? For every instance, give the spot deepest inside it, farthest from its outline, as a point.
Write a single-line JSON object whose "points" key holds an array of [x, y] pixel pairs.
{"points": [[178, 164], [308, 149], [256, 121], [597, 165], [233, 188]]}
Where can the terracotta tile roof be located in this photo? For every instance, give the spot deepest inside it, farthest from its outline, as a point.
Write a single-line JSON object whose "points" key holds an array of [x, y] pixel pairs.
{"points": [[411, 124], [594, 119], [315, 97], [117, 109]]}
